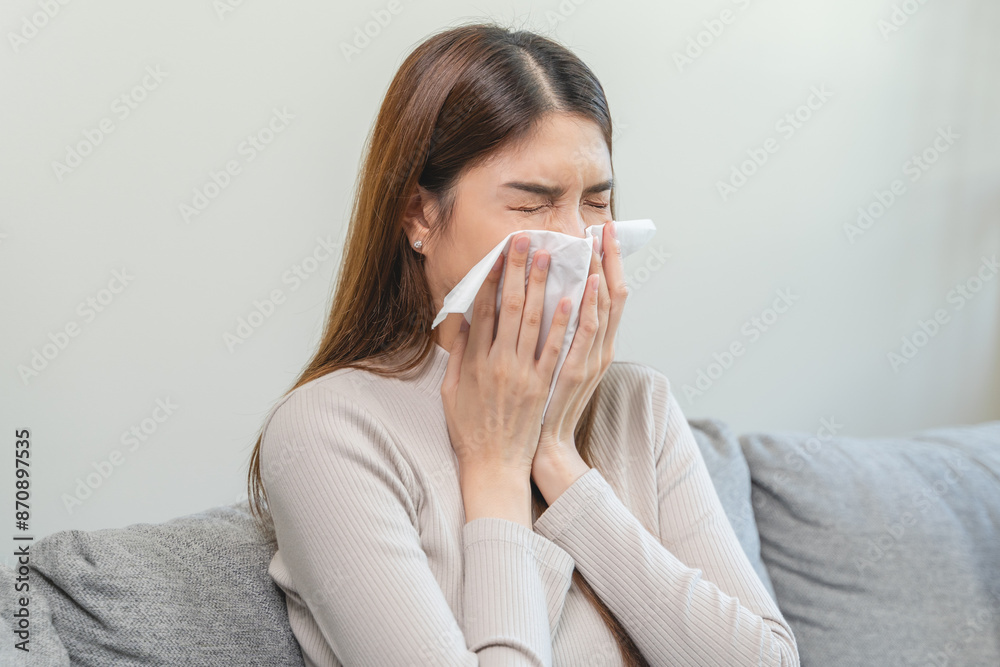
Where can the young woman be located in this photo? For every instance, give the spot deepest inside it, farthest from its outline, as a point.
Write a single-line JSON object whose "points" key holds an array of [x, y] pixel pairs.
{"points": [[424, 514]]}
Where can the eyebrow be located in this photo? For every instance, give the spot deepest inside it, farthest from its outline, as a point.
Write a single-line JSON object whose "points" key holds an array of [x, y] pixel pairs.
{"points": [[554, 191]]}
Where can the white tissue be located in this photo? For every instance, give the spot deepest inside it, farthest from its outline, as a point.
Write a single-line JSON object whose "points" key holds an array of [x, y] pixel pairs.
{"points": [[569, 267]]}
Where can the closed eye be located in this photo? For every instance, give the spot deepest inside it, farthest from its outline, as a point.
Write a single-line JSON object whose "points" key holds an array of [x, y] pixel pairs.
{"points": [[539, 208]]}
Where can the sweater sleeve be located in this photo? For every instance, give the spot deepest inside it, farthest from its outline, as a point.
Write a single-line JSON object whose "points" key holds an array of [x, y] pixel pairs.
{"points": [[345, 517], [689, 595]]}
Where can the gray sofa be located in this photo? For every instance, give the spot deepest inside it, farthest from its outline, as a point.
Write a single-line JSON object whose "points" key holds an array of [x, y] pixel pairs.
{"points": [[879, 551]]}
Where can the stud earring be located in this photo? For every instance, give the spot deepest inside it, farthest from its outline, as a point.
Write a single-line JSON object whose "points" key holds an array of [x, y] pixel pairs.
{"points": [[418, 244]]}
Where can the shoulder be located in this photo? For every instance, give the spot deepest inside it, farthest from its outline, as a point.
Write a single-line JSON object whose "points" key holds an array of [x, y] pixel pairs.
{"points": [[634, 392], [637, 382], [335, 415], [346, 391], [311, 398], [633, 374]]}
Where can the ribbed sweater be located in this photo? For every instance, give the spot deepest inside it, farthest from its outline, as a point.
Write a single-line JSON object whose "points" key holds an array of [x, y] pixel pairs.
{"points": [[379, 566]]}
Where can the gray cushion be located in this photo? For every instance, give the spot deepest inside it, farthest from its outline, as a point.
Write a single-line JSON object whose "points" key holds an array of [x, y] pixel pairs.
{"points": [[191, 591], [883, 551], [45, 649], [731, 477]]}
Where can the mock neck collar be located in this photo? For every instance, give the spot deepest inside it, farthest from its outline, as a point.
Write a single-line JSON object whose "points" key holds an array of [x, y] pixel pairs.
{"points": [[432, 372]]}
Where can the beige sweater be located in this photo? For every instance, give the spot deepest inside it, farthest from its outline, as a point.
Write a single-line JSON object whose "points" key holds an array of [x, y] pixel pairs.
{"points": [[380, 567]]}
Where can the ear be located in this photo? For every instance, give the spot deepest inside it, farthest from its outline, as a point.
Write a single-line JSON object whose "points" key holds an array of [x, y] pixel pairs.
{"points": [[420, 210]]}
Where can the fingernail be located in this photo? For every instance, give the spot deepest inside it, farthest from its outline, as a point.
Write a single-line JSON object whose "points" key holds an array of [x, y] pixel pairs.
{"points": [[521, 244], [497, 264], [464, 326], [614, 229], [542, 261]]}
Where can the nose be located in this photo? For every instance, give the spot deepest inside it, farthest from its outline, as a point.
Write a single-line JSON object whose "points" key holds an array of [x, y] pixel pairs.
{"points": [[569, 222]]}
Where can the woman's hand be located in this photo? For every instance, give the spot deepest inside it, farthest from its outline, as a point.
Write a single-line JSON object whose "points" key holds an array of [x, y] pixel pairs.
{"points": [[589, 356], [494, 390]]}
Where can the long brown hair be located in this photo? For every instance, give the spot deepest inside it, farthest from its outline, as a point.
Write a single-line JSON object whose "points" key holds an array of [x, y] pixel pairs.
{"points": [[461, 95]]}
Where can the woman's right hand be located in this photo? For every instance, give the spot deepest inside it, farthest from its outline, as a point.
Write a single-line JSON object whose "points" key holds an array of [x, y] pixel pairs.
{"points": [[494, 390]]}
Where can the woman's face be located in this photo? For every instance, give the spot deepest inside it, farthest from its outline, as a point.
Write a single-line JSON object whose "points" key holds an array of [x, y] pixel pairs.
{"points": [[557, 180]]}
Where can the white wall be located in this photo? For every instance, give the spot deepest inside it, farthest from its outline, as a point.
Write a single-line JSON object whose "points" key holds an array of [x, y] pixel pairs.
{"points": [[681, 129]]}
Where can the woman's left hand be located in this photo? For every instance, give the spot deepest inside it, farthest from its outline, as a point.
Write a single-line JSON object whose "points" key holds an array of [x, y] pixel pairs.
{"points": [[590, 354]]}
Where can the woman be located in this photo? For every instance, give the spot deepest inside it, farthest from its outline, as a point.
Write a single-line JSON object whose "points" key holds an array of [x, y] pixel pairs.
{"points": [[424, 514]]}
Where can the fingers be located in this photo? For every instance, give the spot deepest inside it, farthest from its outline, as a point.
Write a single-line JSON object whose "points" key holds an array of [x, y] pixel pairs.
{"points": [[590, 322], [554, 341], [458, 346], [484, 311], [512, 298], [603, 298], [531, 318], [616, 287], [577, 359]]}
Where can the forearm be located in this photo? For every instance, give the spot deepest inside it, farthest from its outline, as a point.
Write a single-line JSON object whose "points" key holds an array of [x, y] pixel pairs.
{"points": [[671, 610]]}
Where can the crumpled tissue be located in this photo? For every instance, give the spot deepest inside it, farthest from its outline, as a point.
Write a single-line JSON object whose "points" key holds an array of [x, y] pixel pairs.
{"points": [[569, 268]]}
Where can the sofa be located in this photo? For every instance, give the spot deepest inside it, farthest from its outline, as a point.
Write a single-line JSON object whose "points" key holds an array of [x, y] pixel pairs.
{"points": [[880, 551]]}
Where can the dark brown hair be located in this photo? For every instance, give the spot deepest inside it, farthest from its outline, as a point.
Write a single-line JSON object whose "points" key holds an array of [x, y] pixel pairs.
{"points": [[460, 96]]}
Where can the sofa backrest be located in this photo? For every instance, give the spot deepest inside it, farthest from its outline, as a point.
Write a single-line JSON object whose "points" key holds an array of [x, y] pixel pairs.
{"points": [[883, 550], [877, 550], [27, 621], [192, 591]]}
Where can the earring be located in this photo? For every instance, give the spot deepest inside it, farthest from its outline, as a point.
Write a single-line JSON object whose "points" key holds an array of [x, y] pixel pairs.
{"points": [[418, 244]]}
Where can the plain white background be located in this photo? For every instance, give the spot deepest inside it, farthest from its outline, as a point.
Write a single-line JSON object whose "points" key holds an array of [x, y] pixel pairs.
{"points": [[695, 93]]}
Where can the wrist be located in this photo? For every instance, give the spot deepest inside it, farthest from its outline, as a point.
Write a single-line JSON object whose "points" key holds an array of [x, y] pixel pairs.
{"points": [[500, 493], [556, 470]]}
